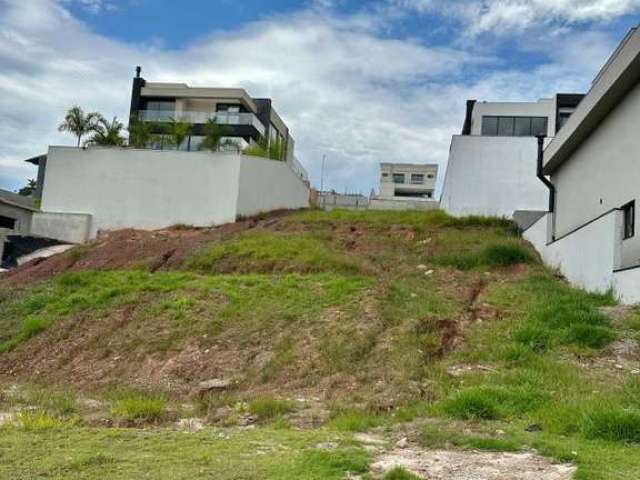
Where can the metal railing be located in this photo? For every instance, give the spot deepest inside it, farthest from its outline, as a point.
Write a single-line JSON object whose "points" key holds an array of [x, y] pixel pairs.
{"points": [[222, 118]]}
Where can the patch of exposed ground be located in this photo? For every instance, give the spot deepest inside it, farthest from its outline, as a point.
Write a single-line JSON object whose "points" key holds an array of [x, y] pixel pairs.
{"points": [[463, 465]]}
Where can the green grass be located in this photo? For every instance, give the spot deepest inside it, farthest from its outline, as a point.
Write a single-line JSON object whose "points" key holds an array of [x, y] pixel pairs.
{"points": [[493, 255], [354, 420], [399, 473], [133, 406], [613, 424], [270, 408], [163, 454], [273, 252]]}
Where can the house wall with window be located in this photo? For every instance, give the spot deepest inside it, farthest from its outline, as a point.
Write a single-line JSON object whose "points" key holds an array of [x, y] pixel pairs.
{"points": [[514, 118], [602, 174], [408, 180]]}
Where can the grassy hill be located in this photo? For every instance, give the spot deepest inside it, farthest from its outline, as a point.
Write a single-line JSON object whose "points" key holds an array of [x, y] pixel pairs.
{"points": [[448, 332]]}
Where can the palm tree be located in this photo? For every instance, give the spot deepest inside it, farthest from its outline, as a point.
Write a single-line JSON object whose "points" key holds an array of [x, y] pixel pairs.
{"points": [[141, 133], [79, 123], [178, 131], [213, 135], [108, 133]]}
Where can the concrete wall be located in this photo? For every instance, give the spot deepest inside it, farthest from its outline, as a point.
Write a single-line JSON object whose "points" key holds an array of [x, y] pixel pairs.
{"points": [[603, 173], [588, 256], [150, 189], [627, 285], [402, 204], [66, 227], [331, 201], [145, 189], [22, 217], [269, 185], [545, 107], [492, 176]]}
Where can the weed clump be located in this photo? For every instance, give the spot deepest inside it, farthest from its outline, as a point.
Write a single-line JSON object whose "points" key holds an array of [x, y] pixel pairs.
{"points": [[612, 424], [139, 407], [270, 408], [493, 255], [399, 473]]}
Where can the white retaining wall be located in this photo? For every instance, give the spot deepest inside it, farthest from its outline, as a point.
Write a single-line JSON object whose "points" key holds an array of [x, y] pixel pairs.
{"points": [[66, 227], [267, 185], [492, 176], [589, 256], [150, 189], [402, 204]]}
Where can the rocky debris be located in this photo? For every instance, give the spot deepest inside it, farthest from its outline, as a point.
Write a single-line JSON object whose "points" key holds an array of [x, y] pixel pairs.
{"points": [[214, 385], [192, 425], [460, 465], [247, 420], [90, 403], [5, 418], [402, 443]]}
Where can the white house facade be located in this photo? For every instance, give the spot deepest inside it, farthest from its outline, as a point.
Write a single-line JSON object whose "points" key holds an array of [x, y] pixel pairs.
{"points": [[593, 164], [492, 163]]}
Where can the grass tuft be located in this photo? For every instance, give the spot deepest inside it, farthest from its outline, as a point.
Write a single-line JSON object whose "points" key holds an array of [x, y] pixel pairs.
{"points": [[613, 424], [270, 408], [399, 473], [139, 406]]}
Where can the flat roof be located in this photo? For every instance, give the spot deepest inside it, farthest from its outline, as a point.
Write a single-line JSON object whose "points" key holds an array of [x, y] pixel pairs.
{"points": [[620, 74], [15, 200]]}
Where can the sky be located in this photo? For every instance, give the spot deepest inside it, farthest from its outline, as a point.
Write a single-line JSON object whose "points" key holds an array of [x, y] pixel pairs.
{"points": [[361, 82]]}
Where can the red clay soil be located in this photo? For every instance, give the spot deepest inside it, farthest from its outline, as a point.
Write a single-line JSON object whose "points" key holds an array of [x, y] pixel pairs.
{"points": [[129, 248]]}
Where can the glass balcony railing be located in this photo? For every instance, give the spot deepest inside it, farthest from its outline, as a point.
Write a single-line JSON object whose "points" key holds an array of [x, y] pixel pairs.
{"points": [[222, 118]]}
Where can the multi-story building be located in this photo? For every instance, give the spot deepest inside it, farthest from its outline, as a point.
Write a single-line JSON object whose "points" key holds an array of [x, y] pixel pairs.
{"points": [[592, 173], [245, 120], [492, 163], [407, 180]]}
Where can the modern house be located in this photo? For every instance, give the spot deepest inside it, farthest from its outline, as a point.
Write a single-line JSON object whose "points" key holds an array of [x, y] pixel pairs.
{"points": [[245, 120], [407, 180], [492, 163], [593, 164], [87, 190], [16, 212]]}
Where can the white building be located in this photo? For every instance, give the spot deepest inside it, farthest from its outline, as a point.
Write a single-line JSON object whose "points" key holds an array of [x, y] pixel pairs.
{"points": [[93, 189], [407, 180], [492, 164], [594, 168]]}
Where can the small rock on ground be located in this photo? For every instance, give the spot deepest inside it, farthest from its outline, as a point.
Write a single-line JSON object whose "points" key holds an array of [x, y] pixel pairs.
{"points": [[459, 465]]}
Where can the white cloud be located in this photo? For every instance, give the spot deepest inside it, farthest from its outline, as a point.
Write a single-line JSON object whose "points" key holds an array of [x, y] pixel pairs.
{"points": [[94, 6], [509, 16], [343, 87]]}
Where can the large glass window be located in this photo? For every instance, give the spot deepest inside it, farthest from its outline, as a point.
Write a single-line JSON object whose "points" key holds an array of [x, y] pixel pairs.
{"points": [[161, 105], [514, 126], [538, 126], [398, 178], [490, 126]]}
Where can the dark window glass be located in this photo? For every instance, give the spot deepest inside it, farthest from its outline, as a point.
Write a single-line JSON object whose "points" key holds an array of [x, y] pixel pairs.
{"points": [[385, 174], [417, 178], [490, 126], [523, 127], [506, 126], [538, 126], [398, 178], [162, 106], [629, 212], [7, 222]]}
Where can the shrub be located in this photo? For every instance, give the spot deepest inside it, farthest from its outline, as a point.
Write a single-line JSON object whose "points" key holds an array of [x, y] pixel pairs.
{"points": [[399, 473], [612, 424]]}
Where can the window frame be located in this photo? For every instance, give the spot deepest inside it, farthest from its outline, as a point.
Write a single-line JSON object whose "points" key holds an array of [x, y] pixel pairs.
{"points": [[394, 177], [414, 181], [628, 220]]}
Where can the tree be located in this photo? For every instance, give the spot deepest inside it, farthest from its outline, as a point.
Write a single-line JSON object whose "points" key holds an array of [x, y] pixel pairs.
{"points": [[141, 133], [79, 123], [213, 135], [178, 131], [29, 188], [108, 133]]}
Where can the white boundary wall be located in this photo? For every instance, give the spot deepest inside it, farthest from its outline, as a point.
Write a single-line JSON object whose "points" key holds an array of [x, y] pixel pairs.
{"points": [[149, 189], [267, 185], [589, 256], [492, 176], [66, 227]]}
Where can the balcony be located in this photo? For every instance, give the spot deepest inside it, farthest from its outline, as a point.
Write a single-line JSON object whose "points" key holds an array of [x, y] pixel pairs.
{"points": [[222, 118]]}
